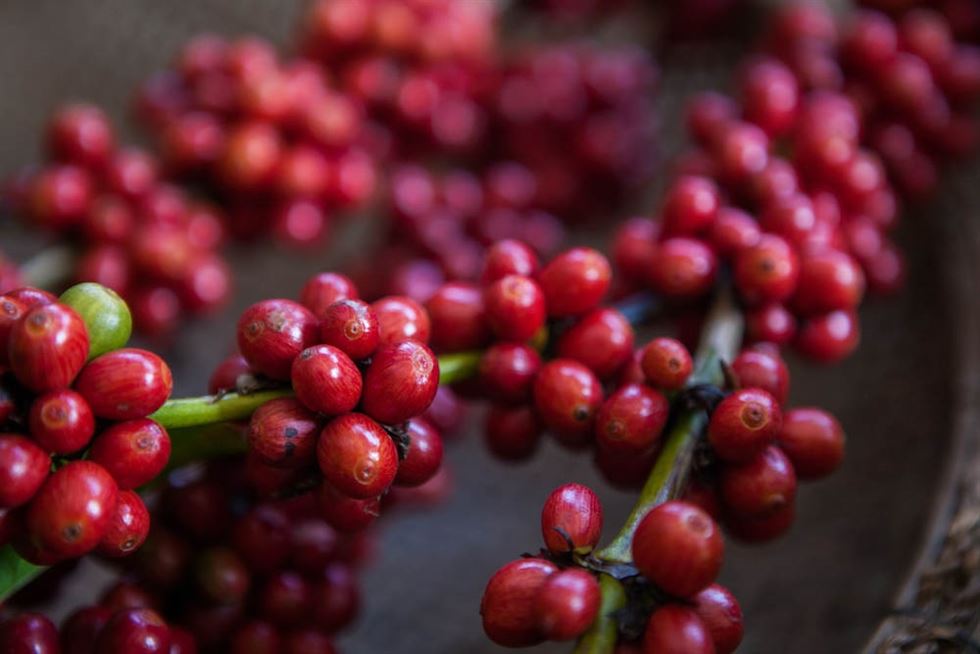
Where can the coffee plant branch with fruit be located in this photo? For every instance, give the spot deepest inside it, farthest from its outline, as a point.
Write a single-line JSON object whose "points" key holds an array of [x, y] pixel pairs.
{"points": [[239, 520]]}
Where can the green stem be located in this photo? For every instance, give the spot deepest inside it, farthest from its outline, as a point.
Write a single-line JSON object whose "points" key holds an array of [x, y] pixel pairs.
{"points": [[209, 409], [601, 636]]}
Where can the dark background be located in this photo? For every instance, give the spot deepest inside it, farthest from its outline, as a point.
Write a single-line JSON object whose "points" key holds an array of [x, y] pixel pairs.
{"points": [[821, 589]]}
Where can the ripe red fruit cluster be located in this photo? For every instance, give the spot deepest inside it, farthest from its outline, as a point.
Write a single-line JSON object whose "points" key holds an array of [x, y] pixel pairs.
{"points": [[243, 575], [56, 381], [136, 233], [282, 148], [363, 376]]}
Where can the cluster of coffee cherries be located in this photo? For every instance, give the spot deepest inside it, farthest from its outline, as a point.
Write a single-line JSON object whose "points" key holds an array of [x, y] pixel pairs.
{"points": [[362, 376], [135, 233], [76, 442], [278, 144], [963, 15], [674, 603]]}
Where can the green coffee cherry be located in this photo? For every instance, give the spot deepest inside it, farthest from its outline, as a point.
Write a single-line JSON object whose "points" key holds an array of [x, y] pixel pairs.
{"points": [[106, 316]]}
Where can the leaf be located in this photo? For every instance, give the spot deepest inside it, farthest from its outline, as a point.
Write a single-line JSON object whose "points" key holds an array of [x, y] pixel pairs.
{"points": [[15, 572]]}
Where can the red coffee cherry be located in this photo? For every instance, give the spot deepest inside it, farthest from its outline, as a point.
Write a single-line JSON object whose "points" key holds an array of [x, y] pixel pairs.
{"points": [[567, 397], [676, 629], [61, 422], [69, 515], [507, 372], [571, 519], [11, 311], [326, 380], [401, 318], [285, 599], [325, 289], [251, 156], [140, 631], [126, 595], [221, 576], [830, 337], [336, 599], [127, 528], [770, 95], [770, 323], [722, 616], [508, 604], [575, 281], [133, 452], [707, 113], [683, 268], [283, 434], [356, 456], [743, 424], [666, 363], [256, 637], [314, 545], [678, 547], [567, 604], [81, 629], [763, 528], [261, 538], [813, 440], [515, 308], [80, 134], [508, 257], [60, 196], [344, 513], [634, 246], [30, 297], [48, 347], [23, 468], [761, 486], [829, 280], [759, 369], [400, 383], [767, 271], [271, 333], [733, 231], [458, 317], [424, 454], [125, 384], [740, 151], [690, 207], [602, 339], [352, 326], [512, 433], [28, 633], [631, 420], [308, 641], [227, 374]]}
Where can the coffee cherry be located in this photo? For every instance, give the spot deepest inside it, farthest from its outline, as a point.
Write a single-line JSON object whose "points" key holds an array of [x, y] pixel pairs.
{"points": [[352, 326], [314, 545], [733, 231], [400, 382], [336, 599], [308, 641], [767, 271], [69, 515], [105, 314], [81, 629], [631, 420], [356, 456], [830, 337], [813, 440], [60, 196], [512, 433], [574, 281], [770, 96], [344, 513], [602, 340], [401, 318], [762, 528], [683, 268], [761, 486], [11, 311], [61, 422], [325, 289], [285, 599], [30, 297], [567, 604], [666, 363], [283, 433], [740, 151], [326, 380], [424, 454], [567, 396], [48, 347], [127, 528], [125, 384], [508, 257], [508, 604], [271, 333], [515, 308], [743, 424], [140, 631], [676, 629], [256, 637], [261, 538], [678, 547], [23, 468], [458, 317], [690, 207], [228, 375], [722, 616], [127, 595], [80, 134], [28, 633], [221, 576], [756, 368], [133, 452], [507, 372], [571, 519]]}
